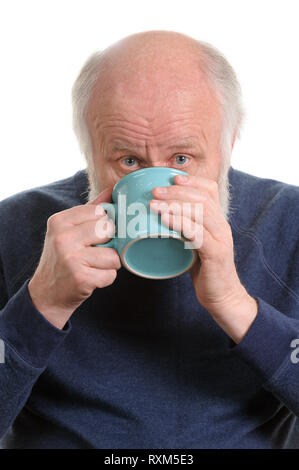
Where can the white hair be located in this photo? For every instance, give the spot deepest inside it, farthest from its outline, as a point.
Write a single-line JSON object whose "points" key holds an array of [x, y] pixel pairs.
{"points": [[220, 75], [81, 93]]}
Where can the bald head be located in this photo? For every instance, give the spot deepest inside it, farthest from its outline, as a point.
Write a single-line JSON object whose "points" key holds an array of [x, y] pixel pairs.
{"points": [[152, 51], [152, 64]]}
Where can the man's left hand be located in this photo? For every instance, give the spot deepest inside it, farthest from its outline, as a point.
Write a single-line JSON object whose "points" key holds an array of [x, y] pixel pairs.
{"points": [[214, 275]]}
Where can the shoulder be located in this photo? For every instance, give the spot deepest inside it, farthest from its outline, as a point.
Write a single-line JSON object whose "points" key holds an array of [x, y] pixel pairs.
{"points": [[267, 212], [254, 199], [59, 194]]}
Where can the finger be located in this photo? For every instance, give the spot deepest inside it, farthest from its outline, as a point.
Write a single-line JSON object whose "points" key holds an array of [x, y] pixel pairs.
{"points": [[199, 182], [197, 212], [93, 232], [184, 194], [101, 277], [80, 214], [197, 234], [101, 257], [187, 209], [104, 196], [93, 208], [184, 226], [188, 192]]}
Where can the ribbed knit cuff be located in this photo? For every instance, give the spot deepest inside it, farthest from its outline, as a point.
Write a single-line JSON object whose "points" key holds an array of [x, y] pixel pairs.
{"points": [[27, 331], [267, 342]]}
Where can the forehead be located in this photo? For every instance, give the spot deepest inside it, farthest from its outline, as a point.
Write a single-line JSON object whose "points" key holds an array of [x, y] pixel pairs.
{"points": [[154, 108]]}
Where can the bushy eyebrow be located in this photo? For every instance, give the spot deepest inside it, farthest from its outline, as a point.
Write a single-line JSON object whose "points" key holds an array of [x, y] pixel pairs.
{"points": [[187, 143], [123, 145]]}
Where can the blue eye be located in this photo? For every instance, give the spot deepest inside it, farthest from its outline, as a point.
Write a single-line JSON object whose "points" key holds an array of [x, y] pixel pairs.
{"points": [[130, 161], [181, 159]]}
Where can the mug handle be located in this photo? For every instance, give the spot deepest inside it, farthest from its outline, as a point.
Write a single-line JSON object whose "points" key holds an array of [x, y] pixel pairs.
{"points": [[106, 206]]}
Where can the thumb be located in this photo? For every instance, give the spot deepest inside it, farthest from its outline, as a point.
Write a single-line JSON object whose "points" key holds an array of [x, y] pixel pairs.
{"points": [[104, 196]]}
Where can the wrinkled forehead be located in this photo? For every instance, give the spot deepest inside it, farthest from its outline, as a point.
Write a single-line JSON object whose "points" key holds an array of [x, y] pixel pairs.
{"points": [[154, 101]]}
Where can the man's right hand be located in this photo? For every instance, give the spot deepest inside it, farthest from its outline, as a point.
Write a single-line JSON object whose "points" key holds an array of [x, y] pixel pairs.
{"points": [[70, 268]]}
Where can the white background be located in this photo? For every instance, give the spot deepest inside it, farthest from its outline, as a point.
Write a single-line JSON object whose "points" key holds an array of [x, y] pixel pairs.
{"points": [[43, 45]]}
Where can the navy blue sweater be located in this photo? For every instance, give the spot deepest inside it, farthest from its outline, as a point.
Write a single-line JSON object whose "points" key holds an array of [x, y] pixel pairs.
{"points": [[141, 364]]}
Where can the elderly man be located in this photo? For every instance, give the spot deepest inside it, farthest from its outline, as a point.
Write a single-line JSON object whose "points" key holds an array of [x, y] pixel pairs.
{"points": [[97, 357]]}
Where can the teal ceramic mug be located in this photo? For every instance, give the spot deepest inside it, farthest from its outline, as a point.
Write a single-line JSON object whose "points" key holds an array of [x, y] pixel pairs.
{"points": [[145, 245]]}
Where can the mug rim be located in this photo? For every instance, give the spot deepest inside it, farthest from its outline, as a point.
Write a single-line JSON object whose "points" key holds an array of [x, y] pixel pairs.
{"points": [[125, 264], [152, 168]]}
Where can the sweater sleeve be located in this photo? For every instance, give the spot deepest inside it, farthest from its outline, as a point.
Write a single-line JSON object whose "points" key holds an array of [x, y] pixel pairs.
{"points": [[27, 341], [271, 348]]}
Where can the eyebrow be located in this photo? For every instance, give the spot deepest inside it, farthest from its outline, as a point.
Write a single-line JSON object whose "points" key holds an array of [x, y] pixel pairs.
{"points": [[183, 144], [122, 145], [189, 142]]}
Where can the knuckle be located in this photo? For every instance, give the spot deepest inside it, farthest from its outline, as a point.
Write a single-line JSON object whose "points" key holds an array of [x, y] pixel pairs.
{"points": [[108, 277], [109, 256], [111, 275], [115, 259], [78, 277], [62, 240], [71, 261], [54, 220], [115, 264]]}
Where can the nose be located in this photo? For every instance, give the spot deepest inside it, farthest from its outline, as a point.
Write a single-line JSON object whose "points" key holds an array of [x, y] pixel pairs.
{"points": [[155, 157], [159, 163]]}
